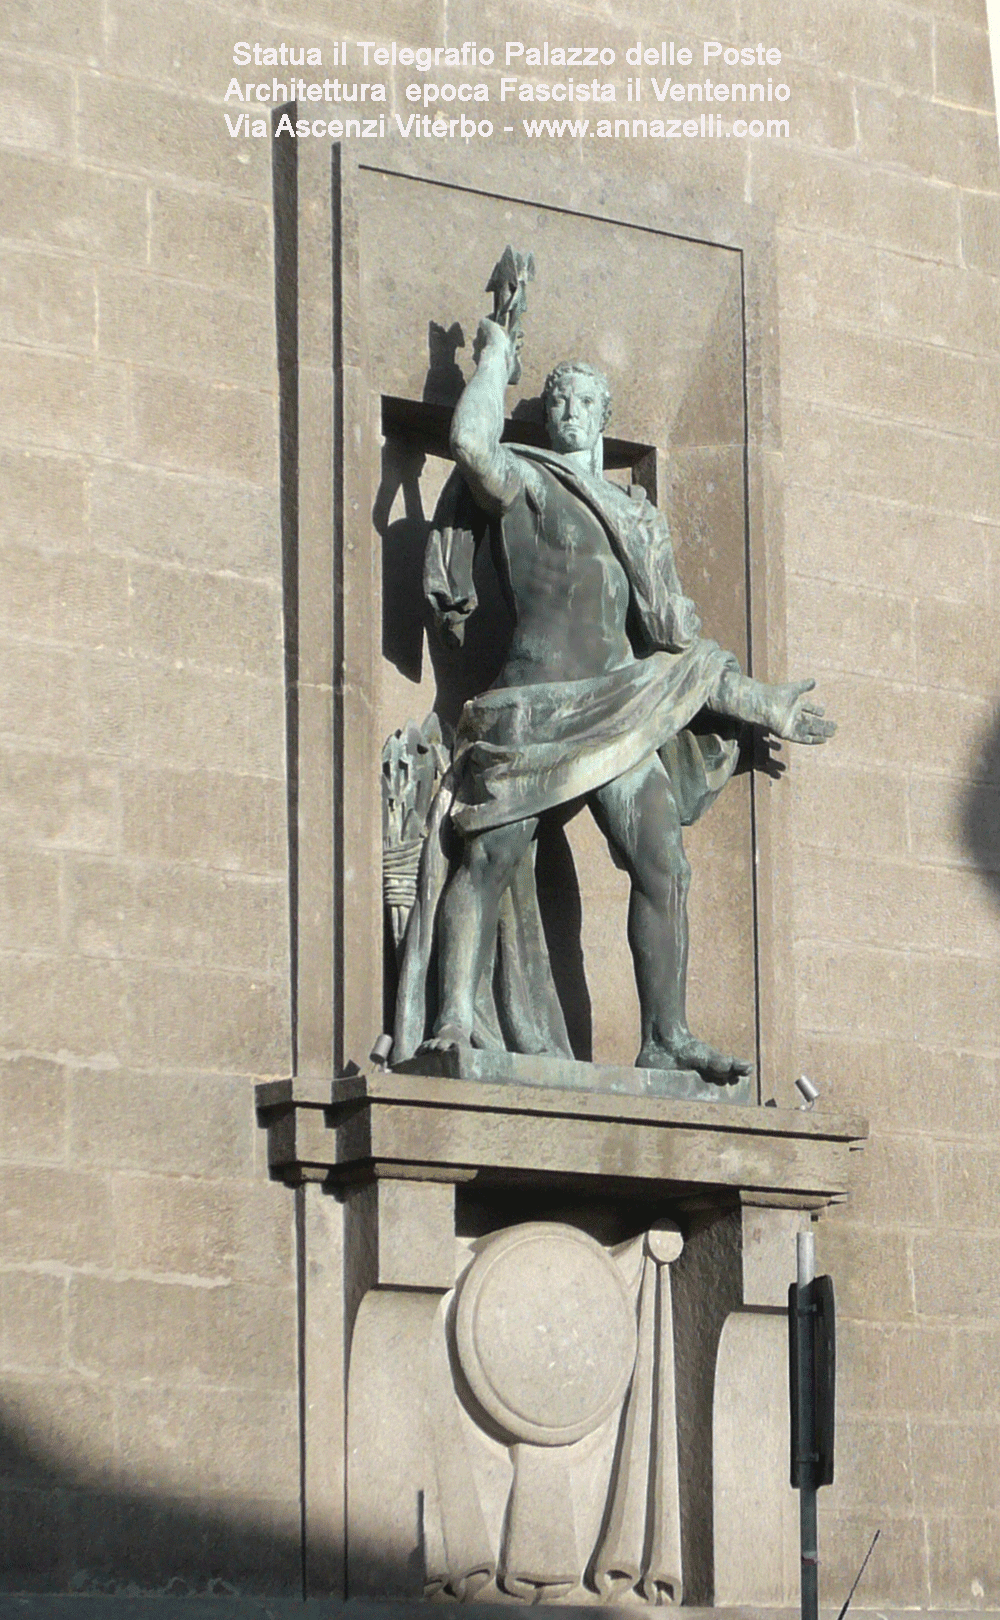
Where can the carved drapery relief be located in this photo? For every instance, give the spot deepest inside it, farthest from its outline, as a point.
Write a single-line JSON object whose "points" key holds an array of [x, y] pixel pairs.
{"points": [[551, 1423]]}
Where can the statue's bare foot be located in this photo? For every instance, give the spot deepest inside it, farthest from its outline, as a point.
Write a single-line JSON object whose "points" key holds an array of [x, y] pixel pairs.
{"points": [[791, 717], [685, 1051], [447, 1038]]}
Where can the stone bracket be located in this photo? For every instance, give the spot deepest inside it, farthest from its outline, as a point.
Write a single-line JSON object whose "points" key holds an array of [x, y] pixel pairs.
{"points": [[395, 1149], [366, 1127]]}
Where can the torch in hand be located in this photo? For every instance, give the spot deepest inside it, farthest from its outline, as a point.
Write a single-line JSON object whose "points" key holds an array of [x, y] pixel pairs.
{"points": [[509, 285]]}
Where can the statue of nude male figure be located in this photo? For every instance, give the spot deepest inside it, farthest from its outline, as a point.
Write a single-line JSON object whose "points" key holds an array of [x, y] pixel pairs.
{"points": [[579, 711]]}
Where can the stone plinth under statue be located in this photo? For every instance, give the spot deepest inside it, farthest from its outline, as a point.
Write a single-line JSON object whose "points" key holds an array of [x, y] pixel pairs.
{"points": [[640, 1245], [567, 1074], [340, 1132]]}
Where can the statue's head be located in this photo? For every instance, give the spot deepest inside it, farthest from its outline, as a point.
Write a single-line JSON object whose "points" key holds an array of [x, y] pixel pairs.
{"points": [[577, 403]]}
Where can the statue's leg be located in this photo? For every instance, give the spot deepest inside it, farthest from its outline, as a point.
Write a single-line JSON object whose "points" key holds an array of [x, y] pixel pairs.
{"points": [[468, 923], [639, 817]]}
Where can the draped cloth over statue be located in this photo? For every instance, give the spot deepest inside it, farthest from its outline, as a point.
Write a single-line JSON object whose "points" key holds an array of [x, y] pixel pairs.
{"points": [[523, 750]]}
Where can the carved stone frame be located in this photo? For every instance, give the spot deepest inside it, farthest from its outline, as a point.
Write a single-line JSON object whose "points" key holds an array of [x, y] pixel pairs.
{"points": [[330, 475]]}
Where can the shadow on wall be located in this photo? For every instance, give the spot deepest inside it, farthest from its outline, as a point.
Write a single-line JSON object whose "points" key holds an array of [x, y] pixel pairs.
{"points": [[64, 1530], [980, 811]]}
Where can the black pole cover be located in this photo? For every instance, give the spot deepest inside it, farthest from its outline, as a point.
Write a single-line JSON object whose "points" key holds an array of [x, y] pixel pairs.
{"points": [[818, 1447]]}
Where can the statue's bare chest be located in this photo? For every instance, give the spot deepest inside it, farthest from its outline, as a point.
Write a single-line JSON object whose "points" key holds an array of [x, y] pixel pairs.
{"points": [[559, 552]]}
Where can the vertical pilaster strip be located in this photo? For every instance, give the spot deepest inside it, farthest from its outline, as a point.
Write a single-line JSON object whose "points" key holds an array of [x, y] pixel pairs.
{"points": [[284, 188], [317, 889], [324, 1394], [358, 651], [766, 639], [315, 897]]}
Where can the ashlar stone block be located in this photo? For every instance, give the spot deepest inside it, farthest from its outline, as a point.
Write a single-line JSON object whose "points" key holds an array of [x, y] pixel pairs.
{"points": [[211, 241], [184, 1124], [962, 65], [166, 136], [33, 1110], [79, 210], [47, 300], [39, 102]]}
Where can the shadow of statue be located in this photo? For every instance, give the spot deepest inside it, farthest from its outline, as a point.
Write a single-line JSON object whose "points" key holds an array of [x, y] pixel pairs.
{"points": [[444, 381], [403, 542]]}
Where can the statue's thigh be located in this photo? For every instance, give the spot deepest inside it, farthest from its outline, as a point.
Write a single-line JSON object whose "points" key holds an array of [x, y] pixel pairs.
{"points": [[492, 857], [638, 815]]}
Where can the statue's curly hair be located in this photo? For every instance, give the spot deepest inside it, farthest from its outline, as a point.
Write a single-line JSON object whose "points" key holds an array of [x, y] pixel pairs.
{"points": [[567, 368]]}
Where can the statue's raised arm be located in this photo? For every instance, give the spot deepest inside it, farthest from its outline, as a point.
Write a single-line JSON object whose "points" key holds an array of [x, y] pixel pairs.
{"points": [[477, 424]]}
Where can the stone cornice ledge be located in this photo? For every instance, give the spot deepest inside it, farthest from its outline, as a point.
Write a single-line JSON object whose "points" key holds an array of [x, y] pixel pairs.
{"points": [[386, 1125]]}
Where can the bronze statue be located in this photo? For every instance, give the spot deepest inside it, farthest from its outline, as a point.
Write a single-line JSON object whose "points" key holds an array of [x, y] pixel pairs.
{"points": [[605, 671]]}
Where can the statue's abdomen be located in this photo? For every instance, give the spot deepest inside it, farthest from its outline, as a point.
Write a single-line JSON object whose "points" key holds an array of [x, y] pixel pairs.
{"points": [[569, 590]]}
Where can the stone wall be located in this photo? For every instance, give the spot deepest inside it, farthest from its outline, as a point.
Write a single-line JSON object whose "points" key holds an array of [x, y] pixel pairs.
{"points": [[148, 1339], [148, 1336], [890, 308]]}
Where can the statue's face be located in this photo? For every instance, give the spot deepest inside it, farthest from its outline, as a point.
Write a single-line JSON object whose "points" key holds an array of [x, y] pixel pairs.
{"points": [[574, 411]]}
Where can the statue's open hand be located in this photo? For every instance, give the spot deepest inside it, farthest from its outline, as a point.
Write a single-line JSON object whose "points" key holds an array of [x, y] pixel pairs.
{"points": [[797, 720]]}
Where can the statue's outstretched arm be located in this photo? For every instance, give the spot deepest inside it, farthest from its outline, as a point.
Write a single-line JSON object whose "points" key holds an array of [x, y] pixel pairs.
{"points": [[490, 470], [785, 709]]}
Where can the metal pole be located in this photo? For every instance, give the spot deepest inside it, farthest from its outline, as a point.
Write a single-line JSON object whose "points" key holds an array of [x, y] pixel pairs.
{"points": [[806, 1271]]}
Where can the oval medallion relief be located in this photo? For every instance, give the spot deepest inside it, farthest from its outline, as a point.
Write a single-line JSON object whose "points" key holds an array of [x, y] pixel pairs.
{"points": [[546, 1333]]}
